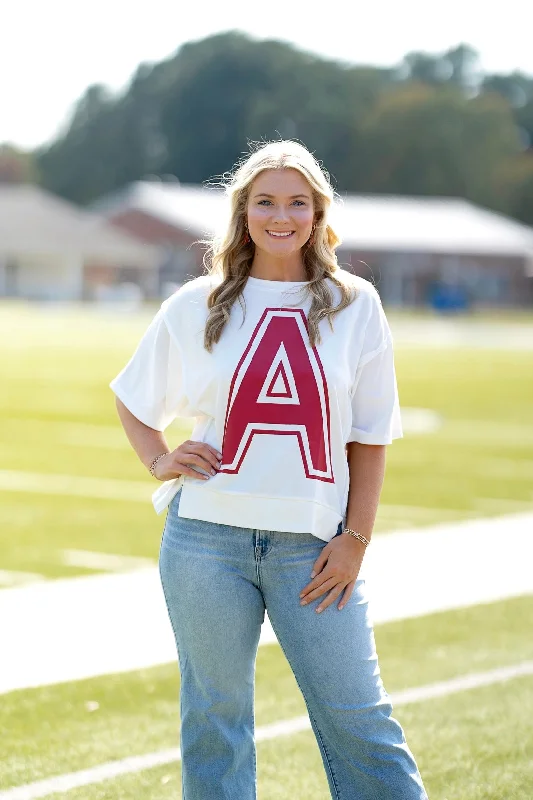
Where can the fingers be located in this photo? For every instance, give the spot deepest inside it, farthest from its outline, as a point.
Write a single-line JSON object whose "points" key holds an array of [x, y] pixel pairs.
{"points": [[184, 469], [347, 594], [196, 460], [199, 454], [321, 561], [311, 593], [335, 587], [210, 454], [332, 596]]}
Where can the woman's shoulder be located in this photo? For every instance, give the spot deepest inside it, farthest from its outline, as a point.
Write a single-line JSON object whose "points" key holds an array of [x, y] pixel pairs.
{"points": [[363, 290], [193, 292]]}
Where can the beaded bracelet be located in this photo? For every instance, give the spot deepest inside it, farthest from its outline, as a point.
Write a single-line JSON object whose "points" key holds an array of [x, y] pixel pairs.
{"points": [[154, 462], [357, 535]]}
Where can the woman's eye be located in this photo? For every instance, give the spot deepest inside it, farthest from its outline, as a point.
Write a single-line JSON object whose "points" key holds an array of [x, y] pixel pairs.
{"points": [[295, 202]]}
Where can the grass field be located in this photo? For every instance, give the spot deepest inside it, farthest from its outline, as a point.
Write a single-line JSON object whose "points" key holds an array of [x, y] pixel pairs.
{"points": [[57, 418], [469, 746], [69, 481]]}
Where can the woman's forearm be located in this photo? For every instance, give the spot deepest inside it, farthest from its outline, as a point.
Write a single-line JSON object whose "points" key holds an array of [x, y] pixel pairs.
{"points": [[366, 464], [147, 442]]}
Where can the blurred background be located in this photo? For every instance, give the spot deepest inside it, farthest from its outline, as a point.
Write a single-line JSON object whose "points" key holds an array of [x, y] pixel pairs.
{"points": [[114, 129]]}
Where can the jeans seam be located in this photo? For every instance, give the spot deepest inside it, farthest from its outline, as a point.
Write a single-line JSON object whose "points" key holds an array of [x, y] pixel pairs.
{"points": [[179, 652], [254, 748], [312, 717]]}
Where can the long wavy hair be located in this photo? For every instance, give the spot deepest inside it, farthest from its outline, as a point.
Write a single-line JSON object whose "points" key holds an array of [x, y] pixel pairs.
{"points": [[230, 258]]}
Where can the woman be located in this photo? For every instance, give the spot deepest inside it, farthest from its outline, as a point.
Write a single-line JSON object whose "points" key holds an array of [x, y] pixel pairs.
{"points": [[286, 362]]}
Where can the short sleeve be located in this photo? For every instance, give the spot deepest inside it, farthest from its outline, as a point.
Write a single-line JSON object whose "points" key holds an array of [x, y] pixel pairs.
{"points": [[150, 385], [376, 415]]}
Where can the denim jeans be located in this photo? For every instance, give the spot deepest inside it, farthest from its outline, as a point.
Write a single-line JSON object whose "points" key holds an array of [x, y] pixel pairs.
{"points": [[218, 580]]}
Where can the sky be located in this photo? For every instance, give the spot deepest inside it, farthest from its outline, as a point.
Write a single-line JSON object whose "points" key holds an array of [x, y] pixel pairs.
{"points": [[51, 52]]}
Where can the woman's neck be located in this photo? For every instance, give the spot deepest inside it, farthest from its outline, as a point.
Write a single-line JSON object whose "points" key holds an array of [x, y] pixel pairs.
{"points": [[274, 269]]}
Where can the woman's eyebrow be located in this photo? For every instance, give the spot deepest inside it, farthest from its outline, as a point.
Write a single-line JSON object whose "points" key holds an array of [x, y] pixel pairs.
{"points": [[292, 197]]}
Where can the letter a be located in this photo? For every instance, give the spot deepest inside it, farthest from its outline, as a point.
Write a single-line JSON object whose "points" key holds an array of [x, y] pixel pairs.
{"points": [[279, 389]]}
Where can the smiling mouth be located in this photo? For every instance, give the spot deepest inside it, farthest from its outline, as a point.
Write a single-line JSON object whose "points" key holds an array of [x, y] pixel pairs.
{"points": [[280, 234]]}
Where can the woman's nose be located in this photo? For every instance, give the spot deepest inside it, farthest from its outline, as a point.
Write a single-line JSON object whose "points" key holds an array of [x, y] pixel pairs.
{"points": [[281, 213]]}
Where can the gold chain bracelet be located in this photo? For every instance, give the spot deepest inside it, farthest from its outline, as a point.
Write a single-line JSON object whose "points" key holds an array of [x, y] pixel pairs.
{"points": [[154, 462], [357, 535]]}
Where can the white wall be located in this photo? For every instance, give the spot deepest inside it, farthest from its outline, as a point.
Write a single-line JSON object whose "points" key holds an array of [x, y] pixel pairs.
{"points": [[47, 277]]}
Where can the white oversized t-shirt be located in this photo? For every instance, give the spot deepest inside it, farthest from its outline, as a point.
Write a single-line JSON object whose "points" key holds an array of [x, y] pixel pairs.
{"points": [[279, 411]]}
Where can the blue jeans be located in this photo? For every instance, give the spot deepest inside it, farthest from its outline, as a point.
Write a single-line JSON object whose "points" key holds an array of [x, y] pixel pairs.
{"points": [[218, 580]]}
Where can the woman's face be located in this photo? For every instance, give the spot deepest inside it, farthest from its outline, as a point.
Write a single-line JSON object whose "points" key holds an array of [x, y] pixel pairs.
{"points": [[280, 211]]}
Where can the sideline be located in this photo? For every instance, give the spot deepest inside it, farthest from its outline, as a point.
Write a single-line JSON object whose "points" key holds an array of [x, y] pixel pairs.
{"points": [[114, 769], [112, 623]]}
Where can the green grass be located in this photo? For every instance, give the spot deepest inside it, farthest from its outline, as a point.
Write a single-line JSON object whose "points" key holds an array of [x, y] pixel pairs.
{"points": [[51, 730], [57, 417], [464, 746], [484, 398]]}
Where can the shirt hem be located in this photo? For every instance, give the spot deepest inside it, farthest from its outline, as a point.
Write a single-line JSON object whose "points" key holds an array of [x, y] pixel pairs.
{"points": [[258, 512]]}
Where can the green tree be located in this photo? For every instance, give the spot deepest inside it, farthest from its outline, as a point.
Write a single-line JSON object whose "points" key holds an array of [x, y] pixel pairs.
{"points": [[515, 182], [425, 140], [74, 166], [210, 89], [433, 127]]}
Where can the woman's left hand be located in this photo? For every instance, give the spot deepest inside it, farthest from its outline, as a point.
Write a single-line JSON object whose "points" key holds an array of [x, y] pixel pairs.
{"points": [[336, 570]]}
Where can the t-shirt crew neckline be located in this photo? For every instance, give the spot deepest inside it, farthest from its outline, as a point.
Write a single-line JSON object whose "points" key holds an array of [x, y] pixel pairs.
{"points": [[264, 283]]}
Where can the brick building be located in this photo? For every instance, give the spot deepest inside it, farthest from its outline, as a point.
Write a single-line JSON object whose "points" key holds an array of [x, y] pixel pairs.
{"points": [[412, 248]]}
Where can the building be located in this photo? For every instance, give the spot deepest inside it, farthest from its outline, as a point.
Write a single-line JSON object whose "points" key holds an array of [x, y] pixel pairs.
{"points": [[52, 250], [171, 216], [414, 249]]}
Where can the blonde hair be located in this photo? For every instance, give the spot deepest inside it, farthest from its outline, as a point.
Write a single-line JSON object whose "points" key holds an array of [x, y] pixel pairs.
{"points": [[230, 258]]}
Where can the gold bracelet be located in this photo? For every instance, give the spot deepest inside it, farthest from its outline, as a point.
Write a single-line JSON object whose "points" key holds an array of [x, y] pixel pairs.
{"points": [[154, 462], [357, 535]]}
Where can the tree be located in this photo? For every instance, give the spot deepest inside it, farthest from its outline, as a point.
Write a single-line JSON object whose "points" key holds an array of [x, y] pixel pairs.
{"points": [[437, 127], [74, 166], [207, 102], [425, 140], [517, 89], [515, 183], [456, 67]]}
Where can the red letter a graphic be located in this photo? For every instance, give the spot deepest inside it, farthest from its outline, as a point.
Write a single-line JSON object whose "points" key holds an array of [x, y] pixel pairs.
{"points": [[279, 388]]}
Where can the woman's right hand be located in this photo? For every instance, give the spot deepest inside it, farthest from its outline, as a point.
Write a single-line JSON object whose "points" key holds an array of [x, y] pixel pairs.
{"points": [[184, 458]]}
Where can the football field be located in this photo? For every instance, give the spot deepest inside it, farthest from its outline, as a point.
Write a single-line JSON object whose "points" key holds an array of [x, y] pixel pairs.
{"points": [[75, 501]]}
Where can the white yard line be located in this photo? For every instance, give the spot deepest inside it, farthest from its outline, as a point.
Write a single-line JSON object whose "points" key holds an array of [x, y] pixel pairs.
{"points": [[106, 562], [75, 486], [482, 431], [140, 491], [77, 434], [497, 505], [468, 332], [16, 578], [127, 766], [507, 468], [112, 437], [104, 624]]}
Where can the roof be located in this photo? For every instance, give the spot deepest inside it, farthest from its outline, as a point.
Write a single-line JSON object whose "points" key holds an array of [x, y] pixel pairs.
{"points": [[428, 224], [196, 209], [364, 222], [33, 221]]}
